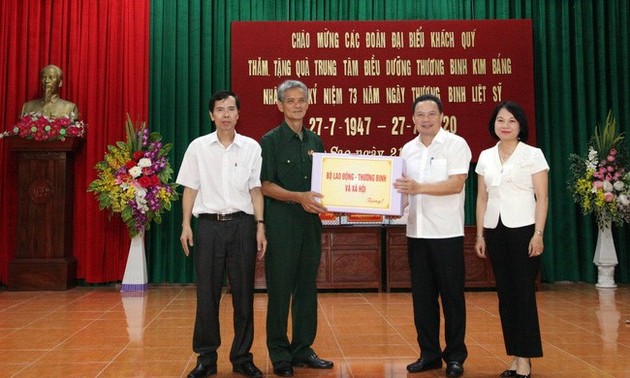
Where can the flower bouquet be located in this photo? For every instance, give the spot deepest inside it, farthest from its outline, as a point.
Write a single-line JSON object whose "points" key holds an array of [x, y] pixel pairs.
{"points": [[600, 182], [134, 179], [39, 127]]}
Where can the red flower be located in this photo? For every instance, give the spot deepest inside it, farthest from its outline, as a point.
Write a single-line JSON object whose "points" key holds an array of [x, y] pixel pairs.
{"points": [[145, 181], [53, 133], [72, 131], [130, 164], [24, 132], [138, 155], [155, 181], [39, 127], [39, 135], [123, 177], [62, 122]]}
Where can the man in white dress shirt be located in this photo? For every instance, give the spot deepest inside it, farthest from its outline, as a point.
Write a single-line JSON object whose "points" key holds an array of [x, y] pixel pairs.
{"points": [[437, 166], [220, 173]]}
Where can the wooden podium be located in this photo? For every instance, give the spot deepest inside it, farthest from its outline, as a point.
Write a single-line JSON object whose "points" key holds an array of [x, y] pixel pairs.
{"points": [[43, 258]]}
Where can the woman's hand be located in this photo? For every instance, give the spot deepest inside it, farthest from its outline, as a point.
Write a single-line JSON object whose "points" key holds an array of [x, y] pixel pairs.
{"points": [[480, 247], [536, 246]]}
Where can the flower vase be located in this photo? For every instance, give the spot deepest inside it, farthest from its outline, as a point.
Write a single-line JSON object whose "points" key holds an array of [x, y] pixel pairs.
{"points": [[605, 258], [135, 278]]}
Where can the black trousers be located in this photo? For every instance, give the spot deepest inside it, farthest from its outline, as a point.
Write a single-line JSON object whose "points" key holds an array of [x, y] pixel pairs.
{"points": [[515, 273], [217, 245], [437, 270]]}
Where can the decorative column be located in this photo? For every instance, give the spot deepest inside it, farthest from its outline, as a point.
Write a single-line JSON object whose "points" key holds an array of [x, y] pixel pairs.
{"points": [[43, 258]]}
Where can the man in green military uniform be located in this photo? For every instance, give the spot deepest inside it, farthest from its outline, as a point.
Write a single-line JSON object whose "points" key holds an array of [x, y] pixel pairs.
{"points": [[293, 232]]}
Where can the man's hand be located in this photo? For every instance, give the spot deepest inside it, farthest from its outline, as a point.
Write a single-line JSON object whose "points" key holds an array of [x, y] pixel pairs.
{"points": [[261, 241], [308, 202], [186, 239], [407, 185]]}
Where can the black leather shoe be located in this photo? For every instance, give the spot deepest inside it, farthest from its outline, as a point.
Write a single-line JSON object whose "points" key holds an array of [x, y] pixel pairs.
{"points": [[247, 369], [283, 369], [313, 362], [423, 365], [454, 369], [202, 371], [508, 373]]}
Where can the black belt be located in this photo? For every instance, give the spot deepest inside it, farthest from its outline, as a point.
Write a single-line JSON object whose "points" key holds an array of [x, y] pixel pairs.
{"points": [[222, 217]]}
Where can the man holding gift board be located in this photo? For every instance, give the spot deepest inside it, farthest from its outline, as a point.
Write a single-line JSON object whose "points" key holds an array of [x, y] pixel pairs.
{"points": [[437, 166], [294, 231]]}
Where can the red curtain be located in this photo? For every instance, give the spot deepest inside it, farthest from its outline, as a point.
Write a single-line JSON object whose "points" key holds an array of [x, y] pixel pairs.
{"points": [[102, 46]]}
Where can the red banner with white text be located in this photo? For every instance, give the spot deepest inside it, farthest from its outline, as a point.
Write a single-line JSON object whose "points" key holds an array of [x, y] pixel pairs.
{"points": [[363, 77]]}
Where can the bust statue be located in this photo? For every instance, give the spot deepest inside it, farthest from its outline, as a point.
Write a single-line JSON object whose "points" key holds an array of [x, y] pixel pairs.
{"points": [[51, 105]]}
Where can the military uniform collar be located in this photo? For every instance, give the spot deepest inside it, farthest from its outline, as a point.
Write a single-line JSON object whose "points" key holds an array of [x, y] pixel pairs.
{"points": [[288, 133]]}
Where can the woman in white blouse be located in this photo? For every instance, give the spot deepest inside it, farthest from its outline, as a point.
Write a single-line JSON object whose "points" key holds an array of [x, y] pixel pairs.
{"points": [[511, 213]]}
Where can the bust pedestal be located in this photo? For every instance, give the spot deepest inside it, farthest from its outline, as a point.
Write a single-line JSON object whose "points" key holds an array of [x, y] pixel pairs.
{"points": [[43, 258]]}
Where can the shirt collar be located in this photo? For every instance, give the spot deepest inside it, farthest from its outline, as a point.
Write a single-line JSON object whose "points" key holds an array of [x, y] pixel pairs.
{"points": [[238, 138], [440, 138], [287, 132]]}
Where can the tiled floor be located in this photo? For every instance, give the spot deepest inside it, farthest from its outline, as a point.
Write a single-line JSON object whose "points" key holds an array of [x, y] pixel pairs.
{"points": [[99, 332]]}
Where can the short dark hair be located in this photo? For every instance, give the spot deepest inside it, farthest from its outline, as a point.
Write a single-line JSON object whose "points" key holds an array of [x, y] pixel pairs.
{"points": [[222, 95], [518, 113], [427, 97]]}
